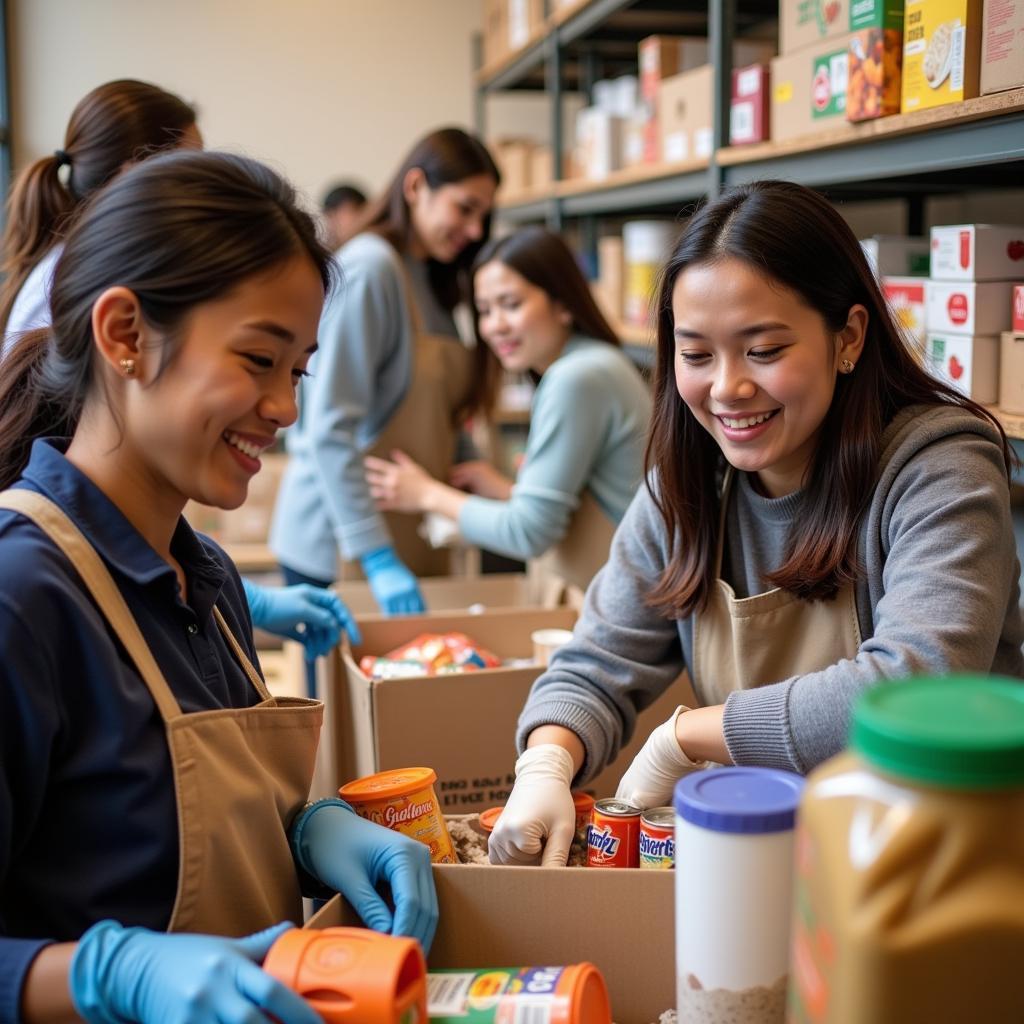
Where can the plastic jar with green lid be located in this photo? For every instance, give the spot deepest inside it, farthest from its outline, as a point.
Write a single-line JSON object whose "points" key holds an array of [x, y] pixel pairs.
{"points": [[909, 897]]}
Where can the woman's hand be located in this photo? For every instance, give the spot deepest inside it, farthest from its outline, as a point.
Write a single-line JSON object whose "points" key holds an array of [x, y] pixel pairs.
{"points": [[480, 477], [399, 486]]}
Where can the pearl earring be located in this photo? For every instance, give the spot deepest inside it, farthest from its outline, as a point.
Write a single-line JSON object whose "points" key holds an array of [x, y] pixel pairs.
{"points": [[128, 367], [846, 366]]}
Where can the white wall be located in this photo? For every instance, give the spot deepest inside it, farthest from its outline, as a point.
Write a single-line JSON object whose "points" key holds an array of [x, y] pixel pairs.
{"points": [[319, 88]]}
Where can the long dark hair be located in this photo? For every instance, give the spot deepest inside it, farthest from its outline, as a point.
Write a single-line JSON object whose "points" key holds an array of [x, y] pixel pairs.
{"points": [[178, 230], [546, 262], [795, 237], [116, 123], [446, 157]]}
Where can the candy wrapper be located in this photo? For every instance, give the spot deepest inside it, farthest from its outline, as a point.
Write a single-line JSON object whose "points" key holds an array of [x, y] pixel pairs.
{"points": [[429, 654]]}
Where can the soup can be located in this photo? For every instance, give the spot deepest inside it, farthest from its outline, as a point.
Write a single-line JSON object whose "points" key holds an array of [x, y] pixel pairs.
{"points": [[613, 840], [658, 838]]}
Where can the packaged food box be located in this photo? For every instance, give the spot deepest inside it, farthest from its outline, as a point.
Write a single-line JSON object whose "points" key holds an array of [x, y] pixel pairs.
{"points": [[809, 89], [1011, 373], [970, 307], [599, 136], [977, 252], [876, 59], [897, 255], [907, 297], [970, 363], [750, 105], [802, 23], [1002, 46], [941, 52], [1018, 307], [684, 105]]}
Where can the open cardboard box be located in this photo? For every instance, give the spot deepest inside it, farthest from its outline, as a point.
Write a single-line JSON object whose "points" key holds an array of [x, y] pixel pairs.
{"points": [[622, 920], [449, 593], [463, 726]]}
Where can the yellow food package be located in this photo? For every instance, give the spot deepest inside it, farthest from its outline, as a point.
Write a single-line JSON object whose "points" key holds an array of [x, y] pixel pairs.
{"points": [[941, 52]]}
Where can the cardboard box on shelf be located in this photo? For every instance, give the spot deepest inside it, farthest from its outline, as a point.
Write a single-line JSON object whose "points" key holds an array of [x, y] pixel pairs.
{"points": [[897, 255], [495, 31], [463, 725], [809, 89], [970, 363], [970, 307], [525, 20], [599, 137], [876, 59], [684, 106], [514, 158], [610, 276], [977, 252], [908, 298], [622, 920], [1018, 308], [802, 23], [542, 167], [249, 523], [1002, 46], [750, 105], [941, 53], [1011, 373]]}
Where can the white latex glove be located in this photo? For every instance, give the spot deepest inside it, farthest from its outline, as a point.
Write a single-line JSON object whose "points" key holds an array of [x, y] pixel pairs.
{"points": [[660, 764], [539, 808]]}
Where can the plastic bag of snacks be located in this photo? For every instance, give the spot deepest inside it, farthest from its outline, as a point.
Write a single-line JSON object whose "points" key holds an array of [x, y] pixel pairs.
{"points": [[429, 654]]}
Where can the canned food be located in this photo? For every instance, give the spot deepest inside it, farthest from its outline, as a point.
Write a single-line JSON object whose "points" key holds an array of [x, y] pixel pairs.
{"points": [[658, 838], [613, 840], [403, 799], [575, 994]]}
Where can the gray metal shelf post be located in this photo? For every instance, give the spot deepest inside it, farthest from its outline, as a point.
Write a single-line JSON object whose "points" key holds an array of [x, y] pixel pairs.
{"points": [[721, 32]]}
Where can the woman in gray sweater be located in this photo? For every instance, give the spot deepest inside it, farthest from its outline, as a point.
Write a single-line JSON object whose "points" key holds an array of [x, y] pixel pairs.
{"points": [[820, 514]]}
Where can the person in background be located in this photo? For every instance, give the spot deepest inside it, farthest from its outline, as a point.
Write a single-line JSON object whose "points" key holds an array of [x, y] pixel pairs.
{"points": [[151, 784], [340, 212], [584, 455], [112, 127], [820, 514], [391, 372]]}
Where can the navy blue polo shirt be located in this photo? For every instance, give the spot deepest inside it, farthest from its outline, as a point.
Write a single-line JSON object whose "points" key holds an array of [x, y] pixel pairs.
{"points": [[88, 822]]}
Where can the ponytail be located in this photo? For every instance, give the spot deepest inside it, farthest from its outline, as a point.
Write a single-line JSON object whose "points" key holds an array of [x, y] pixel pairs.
{"points": [[37, 210]]}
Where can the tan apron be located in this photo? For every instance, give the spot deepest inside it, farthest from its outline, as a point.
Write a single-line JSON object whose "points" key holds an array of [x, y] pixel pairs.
{"points": [[240, 774], [425, 428], [741, 643]]}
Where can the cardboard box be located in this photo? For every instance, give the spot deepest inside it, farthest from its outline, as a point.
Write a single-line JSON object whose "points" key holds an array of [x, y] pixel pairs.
{"points": [[542, 167], [803, 23], [908, 298], [977, 252], [809, 89], [1002, 46], [1011, 373], [495, 31], [249, 523], [876, 59], [611, 276], [450, 593], [620, 919], [684, 105], [941, 52], [599, 136], [525, 20], [1018, 308], [514, 159], [897, 256], [463, 726], [968, 363], [970, 307], [750, 105]]}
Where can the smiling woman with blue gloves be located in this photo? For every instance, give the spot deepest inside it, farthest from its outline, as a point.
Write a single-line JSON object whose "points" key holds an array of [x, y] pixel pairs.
{"points": [[391, 373], [149, 783]]}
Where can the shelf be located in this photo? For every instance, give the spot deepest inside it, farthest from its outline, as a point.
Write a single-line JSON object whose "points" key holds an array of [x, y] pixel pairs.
{"points": [[514, 68]]}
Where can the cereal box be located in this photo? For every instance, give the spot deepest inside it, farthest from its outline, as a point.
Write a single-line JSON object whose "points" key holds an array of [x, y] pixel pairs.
{"points": [[941, 52], [876, 59]]}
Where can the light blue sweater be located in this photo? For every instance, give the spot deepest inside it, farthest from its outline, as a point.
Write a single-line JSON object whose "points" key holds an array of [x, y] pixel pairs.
{"points": [[587, 431]]}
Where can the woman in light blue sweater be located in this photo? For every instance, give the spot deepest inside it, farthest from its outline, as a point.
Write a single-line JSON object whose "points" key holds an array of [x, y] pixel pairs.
{"points": [[584, 455]]}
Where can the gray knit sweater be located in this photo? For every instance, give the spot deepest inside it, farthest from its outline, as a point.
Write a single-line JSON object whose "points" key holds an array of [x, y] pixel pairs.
{"points": [[940, 595]]}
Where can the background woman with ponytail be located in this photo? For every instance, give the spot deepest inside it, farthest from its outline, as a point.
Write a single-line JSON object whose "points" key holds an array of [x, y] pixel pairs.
{"points": [[114, 126], [150, 783]]}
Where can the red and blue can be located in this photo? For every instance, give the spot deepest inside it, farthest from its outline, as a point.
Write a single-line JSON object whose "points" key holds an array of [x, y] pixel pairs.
{"points": [[613, 840]]}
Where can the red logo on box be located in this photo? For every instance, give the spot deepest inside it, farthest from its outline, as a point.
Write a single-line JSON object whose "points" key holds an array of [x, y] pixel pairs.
{"points": [[821, 89], [1018, 308], [965, 249], [956, 307], [1015, 250], [956, 370]]}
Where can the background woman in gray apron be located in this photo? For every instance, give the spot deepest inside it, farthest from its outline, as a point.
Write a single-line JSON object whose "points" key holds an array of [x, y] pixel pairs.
{"points": [[584, 455], [150, 782], [820, 514], [391, 373]]}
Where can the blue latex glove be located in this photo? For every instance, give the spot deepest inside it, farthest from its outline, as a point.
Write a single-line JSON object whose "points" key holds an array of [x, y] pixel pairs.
{"points": [[133, 974], [394, 587], [354, 856], [312, 615]]}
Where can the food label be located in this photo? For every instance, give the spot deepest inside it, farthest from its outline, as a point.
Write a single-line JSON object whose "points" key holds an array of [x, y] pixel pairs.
{"points": [[935, 42], [498, 995], [828, 88]]}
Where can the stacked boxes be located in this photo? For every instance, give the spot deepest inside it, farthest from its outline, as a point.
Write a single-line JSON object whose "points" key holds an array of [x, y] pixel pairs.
{"points": [[1011, 377], [901, 266], [941, 52], [973, 267]]}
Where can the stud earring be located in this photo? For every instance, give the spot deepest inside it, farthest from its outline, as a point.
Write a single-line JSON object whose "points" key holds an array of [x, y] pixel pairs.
{"points": [[128, 367], [846, 366]]}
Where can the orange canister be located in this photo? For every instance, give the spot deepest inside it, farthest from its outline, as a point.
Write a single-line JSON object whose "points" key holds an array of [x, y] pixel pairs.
{"points": [[403, 799], [351, 975], [575, 994], [582, 802]]}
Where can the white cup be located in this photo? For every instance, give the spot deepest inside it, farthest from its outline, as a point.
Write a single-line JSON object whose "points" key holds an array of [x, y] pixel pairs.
{"points": [[547, 641]]}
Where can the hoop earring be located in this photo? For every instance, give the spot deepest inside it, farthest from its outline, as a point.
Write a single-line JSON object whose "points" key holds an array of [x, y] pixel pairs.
{"points": [[846, 366], [128, 367]]}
